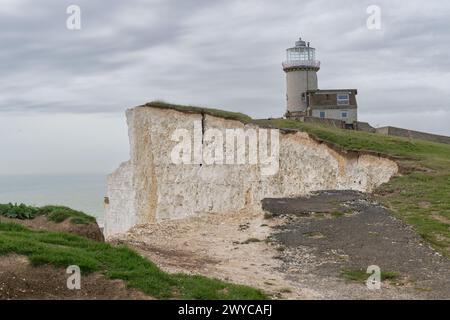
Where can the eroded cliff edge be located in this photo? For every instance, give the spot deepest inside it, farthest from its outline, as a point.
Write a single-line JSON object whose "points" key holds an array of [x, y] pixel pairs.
{"points": [[150, 187]]}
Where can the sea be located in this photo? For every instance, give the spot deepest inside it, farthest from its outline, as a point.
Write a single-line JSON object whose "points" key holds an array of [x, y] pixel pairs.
{"points": [[80, 192]]}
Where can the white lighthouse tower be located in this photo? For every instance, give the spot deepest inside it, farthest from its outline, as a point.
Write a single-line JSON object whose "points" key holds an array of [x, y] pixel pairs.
{"points": [[301, 69]]}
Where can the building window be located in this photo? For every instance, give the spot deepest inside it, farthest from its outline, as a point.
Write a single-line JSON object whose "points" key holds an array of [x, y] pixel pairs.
{"points": [[343, 99], [304, 96], [344, 114], [322, 114]]}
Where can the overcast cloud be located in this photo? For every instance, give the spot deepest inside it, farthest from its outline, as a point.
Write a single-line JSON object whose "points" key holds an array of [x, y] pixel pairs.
{"points": [[220, 53]]}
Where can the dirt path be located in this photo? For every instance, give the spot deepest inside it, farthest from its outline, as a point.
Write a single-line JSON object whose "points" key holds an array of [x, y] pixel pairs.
{"points": [[230, 247], [300, 252]]}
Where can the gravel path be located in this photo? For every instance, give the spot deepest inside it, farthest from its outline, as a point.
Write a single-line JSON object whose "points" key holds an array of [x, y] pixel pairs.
{"points": [[336, 230]]}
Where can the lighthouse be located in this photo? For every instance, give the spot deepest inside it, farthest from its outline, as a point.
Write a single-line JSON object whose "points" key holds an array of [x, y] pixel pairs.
{"points": [[301, 69], [305, 101]]}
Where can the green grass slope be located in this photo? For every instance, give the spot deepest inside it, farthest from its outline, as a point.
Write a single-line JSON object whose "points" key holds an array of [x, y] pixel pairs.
{"points": [[193, 109], [115, 262]]}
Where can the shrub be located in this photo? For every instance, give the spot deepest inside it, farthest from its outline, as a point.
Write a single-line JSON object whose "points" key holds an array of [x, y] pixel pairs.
{"points": [[16, 211], [53, 213]]}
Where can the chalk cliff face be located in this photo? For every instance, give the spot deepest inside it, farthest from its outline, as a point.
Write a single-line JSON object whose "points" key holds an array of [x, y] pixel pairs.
{"points": [[150, 187]]}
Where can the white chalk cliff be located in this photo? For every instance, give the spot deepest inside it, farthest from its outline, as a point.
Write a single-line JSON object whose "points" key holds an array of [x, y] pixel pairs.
{"points": [[150, 187]]}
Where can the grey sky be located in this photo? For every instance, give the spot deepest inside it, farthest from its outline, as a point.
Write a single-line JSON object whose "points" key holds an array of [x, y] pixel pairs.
{"points": [[220, 53]]}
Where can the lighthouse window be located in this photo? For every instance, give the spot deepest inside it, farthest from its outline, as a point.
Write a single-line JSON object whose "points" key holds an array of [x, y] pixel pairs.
{"points": [[343, 99], [300, 54]]}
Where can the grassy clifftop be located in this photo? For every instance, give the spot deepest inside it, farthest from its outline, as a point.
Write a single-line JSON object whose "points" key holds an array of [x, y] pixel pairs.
{"points": [[193, 109]]}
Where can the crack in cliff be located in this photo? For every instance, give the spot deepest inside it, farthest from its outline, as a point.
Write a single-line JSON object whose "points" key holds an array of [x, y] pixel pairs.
{"points": [[203, 133]]}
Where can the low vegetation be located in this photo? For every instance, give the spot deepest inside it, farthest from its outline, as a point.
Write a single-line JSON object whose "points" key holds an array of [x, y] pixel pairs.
{"points": [[53, 213], [251, 240], [192, 109], [18, 211], [360, 275], [115, 262]]}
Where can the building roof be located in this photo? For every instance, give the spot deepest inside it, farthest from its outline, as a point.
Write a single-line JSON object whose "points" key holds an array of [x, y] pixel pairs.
{"points": [[333, 107], [330, 91]]}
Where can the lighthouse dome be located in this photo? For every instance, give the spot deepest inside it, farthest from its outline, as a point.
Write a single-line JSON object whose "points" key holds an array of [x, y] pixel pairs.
{"points": [[300, 43]]}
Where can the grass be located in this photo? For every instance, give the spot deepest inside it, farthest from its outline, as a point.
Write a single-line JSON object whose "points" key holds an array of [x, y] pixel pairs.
{"points": [[115, 262], [56, 214], [251, 240], [59, 214], [348, 139], [360, 275], [193, 109], [337, 214]]}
